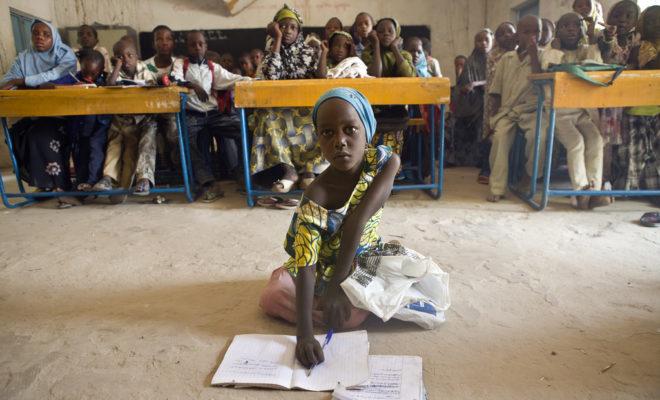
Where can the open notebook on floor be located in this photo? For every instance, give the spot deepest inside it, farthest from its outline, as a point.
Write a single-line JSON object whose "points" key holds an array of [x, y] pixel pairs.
{"points": [[269, 361], [390, 378]]}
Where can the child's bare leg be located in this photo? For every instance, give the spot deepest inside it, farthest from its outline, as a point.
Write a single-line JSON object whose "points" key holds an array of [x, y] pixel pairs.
{"points": [[279, 297]]}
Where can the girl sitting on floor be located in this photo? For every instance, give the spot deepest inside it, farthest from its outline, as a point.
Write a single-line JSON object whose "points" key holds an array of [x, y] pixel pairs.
{"points": [[338, 59], [335, 222], [284, 140]]}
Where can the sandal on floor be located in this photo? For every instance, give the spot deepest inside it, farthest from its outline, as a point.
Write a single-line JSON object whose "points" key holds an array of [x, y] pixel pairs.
{"points": [[483, 179], [287, 204], [65, 202], [269, 201], [104, 184], [212, 193], [283, 186], [84, 187], [600, 201], [650, 219], [142, 187]]}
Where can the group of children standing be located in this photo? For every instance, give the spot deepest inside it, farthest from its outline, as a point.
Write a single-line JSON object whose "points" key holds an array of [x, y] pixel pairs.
{"points": [[494, 98]]}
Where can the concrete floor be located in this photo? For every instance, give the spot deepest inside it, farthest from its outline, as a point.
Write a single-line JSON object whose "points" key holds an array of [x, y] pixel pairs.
{"points": [[139, 301]]}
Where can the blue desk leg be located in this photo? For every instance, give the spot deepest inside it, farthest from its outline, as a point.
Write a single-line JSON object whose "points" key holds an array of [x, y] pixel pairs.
{"points": [[246, 159], [182, 129], [14, 163], [547, 166], [441, 151], [537, 143]]}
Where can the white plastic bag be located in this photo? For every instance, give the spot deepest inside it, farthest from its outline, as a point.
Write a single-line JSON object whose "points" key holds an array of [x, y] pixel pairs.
{"points": [[392, 281]]}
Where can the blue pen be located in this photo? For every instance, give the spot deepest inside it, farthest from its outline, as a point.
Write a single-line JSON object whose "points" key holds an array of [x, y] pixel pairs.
{"points": [[328, 336]]}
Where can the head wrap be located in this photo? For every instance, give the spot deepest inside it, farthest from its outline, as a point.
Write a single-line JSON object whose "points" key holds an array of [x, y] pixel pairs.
{"points": [[50, 56], [397, 27], [339, 33], [357, 101], [287, 12], [36, 66]]}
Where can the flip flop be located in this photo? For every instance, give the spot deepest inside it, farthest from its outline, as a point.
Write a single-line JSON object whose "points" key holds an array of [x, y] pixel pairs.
{"points": [[650, 219], [268, 201], [287, 204], [282, 186]]}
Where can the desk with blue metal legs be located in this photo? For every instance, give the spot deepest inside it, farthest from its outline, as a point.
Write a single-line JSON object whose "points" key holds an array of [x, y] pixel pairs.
{"points": [[631, 88], [72, 101], [379, 91]]}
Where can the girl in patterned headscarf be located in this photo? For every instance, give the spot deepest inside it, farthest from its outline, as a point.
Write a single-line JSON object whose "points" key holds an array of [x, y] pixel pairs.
{"points": [[285, 137]]}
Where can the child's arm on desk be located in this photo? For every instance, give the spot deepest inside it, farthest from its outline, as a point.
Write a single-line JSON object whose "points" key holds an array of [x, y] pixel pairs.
{"points": [[336, 306]]}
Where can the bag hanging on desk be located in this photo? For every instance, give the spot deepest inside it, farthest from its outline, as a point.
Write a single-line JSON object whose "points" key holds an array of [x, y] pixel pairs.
{"points": [[580, 70]]}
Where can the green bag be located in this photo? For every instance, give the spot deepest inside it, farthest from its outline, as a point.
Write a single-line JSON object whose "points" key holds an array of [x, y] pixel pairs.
{"points": [[580, 70]]}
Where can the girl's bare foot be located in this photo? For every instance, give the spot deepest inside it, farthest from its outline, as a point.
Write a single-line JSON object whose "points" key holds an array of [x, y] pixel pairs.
{"points": [[494, 198]]}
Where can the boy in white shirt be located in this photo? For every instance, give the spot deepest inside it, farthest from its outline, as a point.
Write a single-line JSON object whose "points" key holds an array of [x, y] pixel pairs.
{"points": [[161, 64], [206, 78]]}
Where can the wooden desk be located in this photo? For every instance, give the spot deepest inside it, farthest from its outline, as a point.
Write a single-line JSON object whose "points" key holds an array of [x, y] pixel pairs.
{"points": [[379, 91], [68, 101], [631, 88]]}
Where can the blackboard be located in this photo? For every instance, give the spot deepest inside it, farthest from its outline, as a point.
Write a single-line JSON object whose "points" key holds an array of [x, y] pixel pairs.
{"points": [[238, 41]]}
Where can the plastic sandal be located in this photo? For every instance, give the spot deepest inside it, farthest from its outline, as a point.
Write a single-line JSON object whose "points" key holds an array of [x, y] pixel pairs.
{"points": [[650, 219], [142, 188], [269, 201], [287, 204]]}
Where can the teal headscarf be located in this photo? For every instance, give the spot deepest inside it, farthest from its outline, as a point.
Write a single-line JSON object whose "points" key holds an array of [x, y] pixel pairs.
{"points": [[357, 101]]}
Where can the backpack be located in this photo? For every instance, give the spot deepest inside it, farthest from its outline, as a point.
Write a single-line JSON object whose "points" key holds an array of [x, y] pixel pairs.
{"points": [[223, 97], [580, 70]]}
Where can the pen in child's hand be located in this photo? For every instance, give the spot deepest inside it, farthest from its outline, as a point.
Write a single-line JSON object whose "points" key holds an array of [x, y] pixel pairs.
{"points": [[328, 336]]}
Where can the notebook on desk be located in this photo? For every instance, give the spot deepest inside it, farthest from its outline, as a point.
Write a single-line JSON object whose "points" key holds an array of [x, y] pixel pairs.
{"points": [[269, 361]]}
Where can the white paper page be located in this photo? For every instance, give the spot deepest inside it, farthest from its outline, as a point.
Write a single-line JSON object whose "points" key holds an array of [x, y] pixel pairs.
{"points": [[257, 360], [346, 362], [391, 378]]}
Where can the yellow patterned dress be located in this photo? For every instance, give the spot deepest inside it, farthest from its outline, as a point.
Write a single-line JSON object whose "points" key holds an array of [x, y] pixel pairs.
{"points": [[314, 236]]}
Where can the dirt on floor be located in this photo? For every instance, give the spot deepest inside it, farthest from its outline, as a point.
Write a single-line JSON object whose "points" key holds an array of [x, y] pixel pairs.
{"points": [[139, 301]]}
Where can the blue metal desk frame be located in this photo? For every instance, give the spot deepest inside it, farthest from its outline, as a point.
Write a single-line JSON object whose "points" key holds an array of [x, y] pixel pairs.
{"points": [[32, 197], [433, 189], [546, 190]]}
